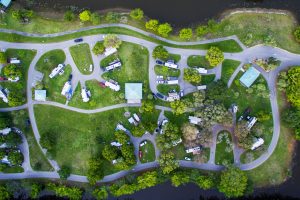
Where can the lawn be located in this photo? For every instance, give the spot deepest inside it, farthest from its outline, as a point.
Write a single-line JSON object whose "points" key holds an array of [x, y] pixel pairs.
{"points": [[148, 152], [166, 71], [79, 136], [38, 160], [281, 159], [26, 56], [46, 64], [198, 61], [175, 57], [82, 57], [224, 149], [206, 79], [165, 89], [228, 67]]}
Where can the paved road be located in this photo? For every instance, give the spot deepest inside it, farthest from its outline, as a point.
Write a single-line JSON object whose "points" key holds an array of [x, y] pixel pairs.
{"points": [[247, 55]]}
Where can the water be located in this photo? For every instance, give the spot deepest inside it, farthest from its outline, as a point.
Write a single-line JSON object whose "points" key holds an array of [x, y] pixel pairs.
{"points": [[177, 12]]}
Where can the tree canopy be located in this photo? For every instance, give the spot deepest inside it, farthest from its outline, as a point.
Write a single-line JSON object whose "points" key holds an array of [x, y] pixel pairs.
{"points": [[2, 58], [12, 71], [167, 162], [99, 48], [214, 56], [160, 52], [100, 193], [152, 24], [137, 14], [112, 40], [191, 75], [186, 33], [64, 172], [293, 85], [164, 29], [85, 16], [69, 16], [178, 107]]}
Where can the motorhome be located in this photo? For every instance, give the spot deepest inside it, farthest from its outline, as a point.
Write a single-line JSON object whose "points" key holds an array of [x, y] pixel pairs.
{"points": [[57, 70]]}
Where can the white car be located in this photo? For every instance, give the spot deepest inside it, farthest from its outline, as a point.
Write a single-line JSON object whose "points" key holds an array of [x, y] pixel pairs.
{"points": [[160, 77], [160, 81], [187, 158]]}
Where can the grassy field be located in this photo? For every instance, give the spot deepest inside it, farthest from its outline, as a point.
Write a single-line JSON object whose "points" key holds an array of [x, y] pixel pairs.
{"points": [[38, 160], [206, 79], [175, 57], [26, 56], [280, 160], [148, 153], [165, 89], [82, 57], [79, 136], [228, 67], [46, 64], [166, 71], [198, 61], [222, 156]]}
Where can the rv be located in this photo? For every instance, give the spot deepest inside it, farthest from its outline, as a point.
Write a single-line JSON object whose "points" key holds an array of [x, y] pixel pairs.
{"points": [[201, 87], [113, 65], [258, 142], [85, 94], [194, 150], [66, 89], [201, 70], [112, 85], [57, 70], [171, 64], [3, 95], [14, 61]]}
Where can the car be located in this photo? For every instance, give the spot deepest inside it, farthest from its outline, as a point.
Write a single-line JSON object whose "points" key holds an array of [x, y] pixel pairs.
{"points": [[78, 40], [143, 143], [181, 93], [102, 84], [159, 62], [140, 154], [160, 96], [159, 77], [70, 77], [187, 158], [160, 81], [164, 122]]}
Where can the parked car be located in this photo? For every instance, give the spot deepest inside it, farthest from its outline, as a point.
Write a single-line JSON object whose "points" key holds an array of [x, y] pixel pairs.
{"points": [[143, 143], [181, 93], [160, 96], [70, 77], [160, 81], [78, 40], [159, 62], [159, 77], [187, 158]]}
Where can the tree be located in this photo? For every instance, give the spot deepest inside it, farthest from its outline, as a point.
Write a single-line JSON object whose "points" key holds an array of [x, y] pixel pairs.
{"points": [[179, 178], [233, 182], [101, 193], [137, 14], [121, 137], [112, 40], [85, 16], [245, 139], [3, 58], [164, 29], [95, 170], [205, 182], [69, 16], [160, 52], [167, 162], [191, 75], [189, 131], [201, 30], [15, 99], [186, 33], [214, 56], [147, 106], [112, 17], [4, 193], [71, 193], [152, 24], [99, 48], [2, 154], [128, 154], [170, 134], [110, 152], [293, 84], [297, 33], [148, 179], [35, 190], [13, 139], [64, 172], [5, 121], [123, 189], [178, 107], [95, 18], [12, 71], [15, 157], [138, 131]]}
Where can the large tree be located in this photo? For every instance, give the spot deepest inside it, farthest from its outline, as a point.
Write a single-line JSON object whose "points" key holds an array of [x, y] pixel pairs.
{"points": [[85, 16], [64, 172], [147, 106], [214, 56], [186, 33], [95, 170], [170, 134], [233, 182], [99, 48], [121, 137], [179, 178], [110, 152], [152, 24], [178, 107], [137, 14], [192, 76], [12, 71], [100, 193], [13, 139], [112, 40], [164, 29], [168, 162], [5, 195], [293, 85], [95, 18], [160, 52], [148, 179], [205, 182], [15, 99]]}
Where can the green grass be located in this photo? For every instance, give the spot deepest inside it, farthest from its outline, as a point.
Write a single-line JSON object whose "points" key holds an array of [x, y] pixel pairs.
{"points": [[15, 169], [198, 61], [228, 67], [166, 71], [165, 89], [148, 152], [38, 160], [175, 57], [223, 157], [280, 160], [206, 79], [46, 64], [26, 56], [79, 136], [82, 57]]}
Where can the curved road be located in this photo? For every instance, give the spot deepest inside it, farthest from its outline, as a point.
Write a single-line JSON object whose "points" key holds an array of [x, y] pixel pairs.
{"points": [[248, 54]]}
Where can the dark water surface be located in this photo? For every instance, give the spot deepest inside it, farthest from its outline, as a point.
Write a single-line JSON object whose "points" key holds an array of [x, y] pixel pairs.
{"points": [[176, 12]]}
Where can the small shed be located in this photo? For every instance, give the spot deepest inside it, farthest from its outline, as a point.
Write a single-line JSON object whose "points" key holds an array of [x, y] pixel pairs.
{"points": [[249, 77], [133, 92], [40, 95]]}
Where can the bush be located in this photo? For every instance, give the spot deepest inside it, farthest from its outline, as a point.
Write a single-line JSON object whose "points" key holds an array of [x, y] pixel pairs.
{"points": [[69, 16], [98, 48], [112, 40], [297, 33], [85, 16], [64, 172], [95, 18], [160, 52], [112, 17], [152, 24], [192, 76], [214, 56], [186, 33], [137, 14], [201, 30], [15, 157], [100, 194], [164, 29]]}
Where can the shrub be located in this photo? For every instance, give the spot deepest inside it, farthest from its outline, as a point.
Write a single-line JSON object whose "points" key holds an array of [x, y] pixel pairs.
{"points": [[214, 56], [152, 24], [95, 18], [160, 52], [98, 48], [85, 16], [112, 40], [164, 29], [201, 30], [69, 16], [137, 14], [186, 33]]}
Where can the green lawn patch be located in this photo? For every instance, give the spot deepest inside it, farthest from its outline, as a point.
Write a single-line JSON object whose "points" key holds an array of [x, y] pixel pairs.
{"points": [[166, 71], [228, 67], [148, 152], [224, 150], [165, 89], [26, 56], [198, 61], [82, 57], [15, 169], [80, 136], [175, 57], [206, 79]]}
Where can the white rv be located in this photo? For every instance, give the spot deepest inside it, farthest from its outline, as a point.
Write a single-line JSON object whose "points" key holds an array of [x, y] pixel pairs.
{"points": [[66, 89], [109, 51], [85, 94], [171, 64], [112, 85], [201, 70], [57, 70], [113, 65]]}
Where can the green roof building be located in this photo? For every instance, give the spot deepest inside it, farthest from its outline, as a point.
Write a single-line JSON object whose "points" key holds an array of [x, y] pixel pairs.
{"points": [[133, 92], [249, 77]]}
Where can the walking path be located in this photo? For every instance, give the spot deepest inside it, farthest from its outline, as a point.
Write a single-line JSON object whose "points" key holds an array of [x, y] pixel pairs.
{"points": [[248, 54]]}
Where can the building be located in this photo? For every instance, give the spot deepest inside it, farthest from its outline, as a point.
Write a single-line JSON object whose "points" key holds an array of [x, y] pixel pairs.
{"points": [[57, 70], [194, 150], [171, 64], [201, 70], [4, 94], [85, 94], [40, 95], [258, 142], [109, 51], [195, 120], [67, 89], [113, 65], [5, 3], [172, 96], [249, 77], [5, 131], [251, 122], [133, 92], [112, 85]]}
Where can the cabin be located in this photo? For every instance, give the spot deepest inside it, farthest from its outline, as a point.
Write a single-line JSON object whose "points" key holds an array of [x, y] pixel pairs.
{"points": [[133, 92], [112, 85], [195, 120], [40, 95], [113, 65], [171, 64], [258, 142], [57, 70]]}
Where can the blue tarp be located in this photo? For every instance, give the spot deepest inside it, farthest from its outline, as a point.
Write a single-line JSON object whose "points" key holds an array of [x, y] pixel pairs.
{"points": [[249, 77], [5, 2]]}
